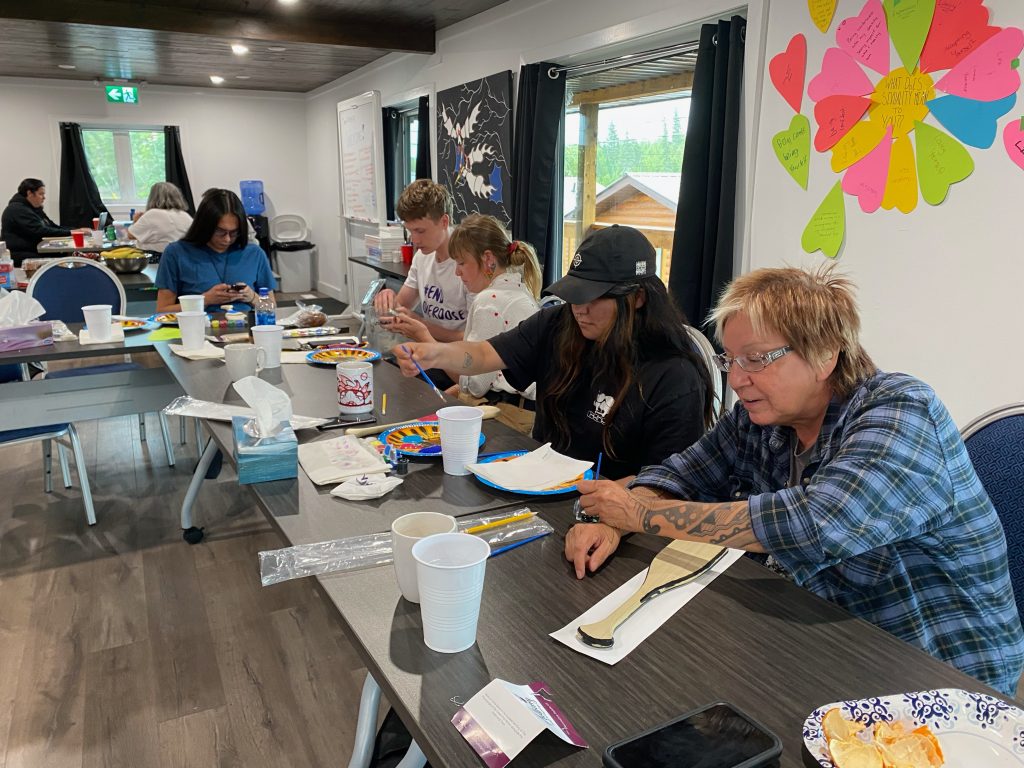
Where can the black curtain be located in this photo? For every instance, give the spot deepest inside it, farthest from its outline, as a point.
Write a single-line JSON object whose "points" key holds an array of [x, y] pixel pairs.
{"points": [[79, 196], [423, 140], [702, 252], [390, 121], [174, 165], [536, 207]]}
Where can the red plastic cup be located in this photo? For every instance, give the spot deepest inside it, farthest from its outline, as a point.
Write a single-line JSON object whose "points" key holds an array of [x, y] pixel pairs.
{"points": [[78, 238], [95, 223], [407, 251]]}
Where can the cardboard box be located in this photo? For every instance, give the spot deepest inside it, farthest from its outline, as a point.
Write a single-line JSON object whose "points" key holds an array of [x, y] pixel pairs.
{"points": [[260, 460], [35, 334]]}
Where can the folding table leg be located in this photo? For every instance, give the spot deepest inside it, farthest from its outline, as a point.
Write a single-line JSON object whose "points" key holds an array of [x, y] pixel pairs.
{"points": [[62, 456], [191, 534], [47, 466], [414, 757], [165, 431]]}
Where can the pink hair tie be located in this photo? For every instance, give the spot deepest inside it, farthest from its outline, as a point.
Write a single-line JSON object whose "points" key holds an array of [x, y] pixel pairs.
{"points": [[513, 247]]}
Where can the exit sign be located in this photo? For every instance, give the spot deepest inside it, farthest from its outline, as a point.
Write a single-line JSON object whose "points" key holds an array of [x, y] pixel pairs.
{"points": [[122, 94]]}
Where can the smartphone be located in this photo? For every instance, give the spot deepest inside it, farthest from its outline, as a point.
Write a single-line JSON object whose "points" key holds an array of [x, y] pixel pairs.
{"points": [[715, 736], [346, 420], [239, 287]]}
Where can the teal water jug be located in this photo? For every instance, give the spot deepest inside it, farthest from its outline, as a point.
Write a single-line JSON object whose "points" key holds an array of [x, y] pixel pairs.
{"points": [[252, 197]]}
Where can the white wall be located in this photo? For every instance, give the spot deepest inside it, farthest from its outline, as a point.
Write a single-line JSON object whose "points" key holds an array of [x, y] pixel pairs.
{"points": [[226, 136], [940, 289], [517, 32]]}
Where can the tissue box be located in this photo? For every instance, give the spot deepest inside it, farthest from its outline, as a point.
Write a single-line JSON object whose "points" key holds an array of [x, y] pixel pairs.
{"points": [[34, 334], [266, 458]]}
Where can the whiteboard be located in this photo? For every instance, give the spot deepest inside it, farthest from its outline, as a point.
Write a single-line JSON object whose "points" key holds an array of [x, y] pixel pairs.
{"points": [[360, 147]]}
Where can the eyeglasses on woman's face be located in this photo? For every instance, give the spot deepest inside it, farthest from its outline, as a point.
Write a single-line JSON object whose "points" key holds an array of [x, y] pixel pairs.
{"points": [[752, 363], [229, 234]]}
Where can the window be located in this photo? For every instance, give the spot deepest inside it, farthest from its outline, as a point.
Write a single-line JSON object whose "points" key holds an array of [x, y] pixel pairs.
{"points": [[125, 162], [408, 143], [623, 156]]}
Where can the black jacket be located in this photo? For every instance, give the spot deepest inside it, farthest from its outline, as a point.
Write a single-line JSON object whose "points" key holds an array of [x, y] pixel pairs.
{"points": [[22, 226]]}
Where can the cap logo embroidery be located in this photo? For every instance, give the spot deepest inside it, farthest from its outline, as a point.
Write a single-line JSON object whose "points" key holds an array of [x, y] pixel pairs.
{"points": [[576, 261], [641, 268]]}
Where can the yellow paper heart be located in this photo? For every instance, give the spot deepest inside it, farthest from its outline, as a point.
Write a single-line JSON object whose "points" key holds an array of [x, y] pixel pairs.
{"points": [[822, 12], [857, 144], [901, 186]]}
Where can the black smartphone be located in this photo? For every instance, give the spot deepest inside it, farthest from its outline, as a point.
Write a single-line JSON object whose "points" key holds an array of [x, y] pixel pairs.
{"points": [[238, 287], [715, 736], [343, 421]]}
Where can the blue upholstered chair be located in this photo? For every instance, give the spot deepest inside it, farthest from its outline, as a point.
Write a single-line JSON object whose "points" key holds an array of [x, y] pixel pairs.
{"points": [[995, 443], [63, 290], [46, 435]]}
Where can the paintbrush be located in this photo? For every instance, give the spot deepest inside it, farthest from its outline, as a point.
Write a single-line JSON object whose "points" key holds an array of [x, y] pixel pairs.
{"points": [[422, 372]]}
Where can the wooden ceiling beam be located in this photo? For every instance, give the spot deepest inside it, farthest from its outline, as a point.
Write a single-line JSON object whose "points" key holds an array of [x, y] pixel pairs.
{"points": [[289, 27], [653, 87]]}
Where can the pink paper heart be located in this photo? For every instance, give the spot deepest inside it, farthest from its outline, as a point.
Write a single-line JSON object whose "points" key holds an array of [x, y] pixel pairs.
{"points": [[865, 180], [988, 73], [958, 27], [866, 37], [787, 71], [839, 76], [1013, 139], [835, 116]]}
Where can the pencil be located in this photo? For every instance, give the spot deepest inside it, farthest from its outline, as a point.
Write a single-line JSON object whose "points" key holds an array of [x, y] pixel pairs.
{"points": [[496, 523], [422, 372], [384, 405], [515, 544]]}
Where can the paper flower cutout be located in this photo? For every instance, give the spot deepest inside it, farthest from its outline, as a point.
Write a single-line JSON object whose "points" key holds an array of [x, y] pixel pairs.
{"points": [[871, 114]]}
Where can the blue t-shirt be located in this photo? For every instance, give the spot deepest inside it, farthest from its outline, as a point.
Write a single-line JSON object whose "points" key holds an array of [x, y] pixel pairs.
{"points": [[189, 269]]}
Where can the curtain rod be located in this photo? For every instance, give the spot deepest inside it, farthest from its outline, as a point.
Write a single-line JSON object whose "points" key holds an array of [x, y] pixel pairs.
{"points": [[623, 61]]}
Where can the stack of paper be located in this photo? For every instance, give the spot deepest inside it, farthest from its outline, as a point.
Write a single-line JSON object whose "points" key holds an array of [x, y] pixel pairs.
{"points": [[536, 471], [332, 461]]}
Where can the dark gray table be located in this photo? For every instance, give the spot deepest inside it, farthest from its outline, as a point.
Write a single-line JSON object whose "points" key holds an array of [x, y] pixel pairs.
{"points": [[396, 269]]}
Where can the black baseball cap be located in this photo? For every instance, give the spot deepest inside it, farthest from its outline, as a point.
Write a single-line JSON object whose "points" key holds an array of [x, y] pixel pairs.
{"points": [[606, 258]]}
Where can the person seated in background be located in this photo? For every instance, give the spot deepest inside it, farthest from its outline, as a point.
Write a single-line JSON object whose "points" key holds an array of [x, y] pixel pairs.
{"points": [[614, 367], [214, 258], [24, 223], [165, 219], [855, 482], [432, 286], [504, 277]]}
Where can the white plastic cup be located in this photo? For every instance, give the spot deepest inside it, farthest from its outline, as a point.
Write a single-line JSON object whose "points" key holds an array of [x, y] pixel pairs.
{"points": [[244, 360], [97, 237], [193, 330], [192, 303], [405, 532], [460, 437], [450, 573], [98, 321], [355, 386], [269, 338]]}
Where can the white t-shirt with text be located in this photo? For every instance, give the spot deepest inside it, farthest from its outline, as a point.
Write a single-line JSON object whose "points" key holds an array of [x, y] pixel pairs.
{"points": [[443, 297]]}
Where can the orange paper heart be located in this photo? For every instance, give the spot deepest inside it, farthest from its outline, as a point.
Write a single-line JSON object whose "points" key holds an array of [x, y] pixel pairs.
{"points": [[787, 71]]}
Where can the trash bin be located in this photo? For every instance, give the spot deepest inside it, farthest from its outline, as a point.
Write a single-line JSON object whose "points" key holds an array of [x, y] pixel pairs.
{"points": [[291, 253]]}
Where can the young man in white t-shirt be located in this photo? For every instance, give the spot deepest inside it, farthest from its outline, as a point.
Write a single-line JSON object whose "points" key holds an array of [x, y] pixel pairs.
{"points": [[426, 210]]}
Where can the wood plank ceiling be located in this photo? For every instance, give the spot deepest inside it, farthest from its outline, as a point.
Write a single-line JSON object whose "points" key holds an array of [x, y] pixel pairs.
{"points": [[292, 47]]}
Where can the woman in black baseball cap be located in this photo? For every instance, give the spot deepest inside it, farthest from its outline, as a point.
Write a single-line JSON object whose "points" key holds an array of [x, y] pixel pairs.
{"points": [[615, 370]]}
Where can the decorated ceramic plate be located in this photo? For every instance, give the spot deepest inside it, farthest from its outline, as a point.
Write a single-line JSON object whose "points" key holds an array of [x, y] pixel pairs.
{"points": [[973, 729], [301, 333], [420, 438], [562, 488], [137, 324], [335, 356]]}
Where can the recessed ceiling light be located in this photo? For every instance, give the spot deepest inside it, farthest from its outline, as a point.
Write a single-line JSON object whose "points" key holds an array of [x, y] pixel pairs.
{"points": [[239, 49], [66, 66], [287, 2], [216, 79], [276, 48], [241, 77]]}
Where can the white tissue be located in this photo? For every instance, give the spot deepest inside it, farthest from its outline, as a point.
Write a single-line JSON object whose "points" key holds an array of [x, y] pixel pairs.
{"points": [[366, 487], [273, 408], [16, 308]]}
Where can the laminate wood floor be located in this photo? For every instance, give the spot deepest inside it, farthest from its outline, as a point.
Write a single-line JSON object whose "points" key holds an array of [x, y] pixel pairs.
{"points": [[121, 645]]}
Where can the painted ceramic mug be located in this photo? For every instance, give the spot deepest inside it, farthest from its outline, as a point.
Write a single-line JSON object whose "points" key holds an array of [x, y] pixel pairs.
{"points": [[355, 386]]}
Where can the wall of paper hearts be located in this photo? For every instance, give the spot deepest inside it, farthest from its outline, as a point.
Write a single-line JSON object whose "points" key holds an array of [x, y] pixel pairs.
{"points": [[906, 93]]}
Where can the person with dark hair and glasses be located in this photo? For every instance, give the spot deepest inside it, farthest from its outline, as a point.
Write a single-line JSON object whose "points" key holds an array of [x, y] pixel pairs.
{"points": [[24, 223], [614, 367], [214, 258]]}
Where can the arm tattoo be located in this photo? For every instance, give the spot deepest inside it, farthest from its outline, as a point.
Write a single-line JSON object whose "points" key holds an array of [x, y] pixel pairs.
{"points": [[467, 361], [726, 524]]}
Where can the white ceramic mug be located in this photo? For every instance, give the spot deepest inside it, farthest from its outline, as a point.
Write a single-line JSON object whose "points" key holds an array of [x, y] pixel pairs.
{"points": [[406, 531], [355, 386], [193, 330], [269, 338], [98, 321], [192, 303], [244, 360]]}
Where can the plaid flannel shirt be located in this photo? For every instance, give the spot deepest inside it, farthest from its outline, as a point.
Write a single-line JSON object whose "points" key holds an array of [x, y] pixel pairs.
{"points": [[889, 520]]}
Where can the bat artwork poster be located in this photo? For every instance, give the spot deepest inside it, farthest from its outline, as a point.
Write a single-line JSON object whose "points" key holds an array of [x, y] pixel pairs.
{"points": [[474, 146]]}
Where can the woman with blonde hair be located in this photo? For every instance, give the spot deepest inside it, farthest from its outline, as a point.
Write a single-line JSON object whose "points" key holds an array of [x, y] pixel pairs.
{"points": [[165, 219]]}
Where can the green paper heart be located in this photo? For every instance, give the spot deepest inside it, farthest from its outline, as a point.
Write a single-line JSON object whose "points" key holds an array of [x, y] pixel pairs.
{"points": [[942, 161], [909, 22], [793, 148], [826, 230]]}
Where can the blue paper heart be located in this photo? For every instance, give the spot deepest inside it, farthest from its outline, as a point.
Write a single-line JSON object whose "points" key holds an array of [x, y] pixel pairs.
{"points": [[973, 122]]}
